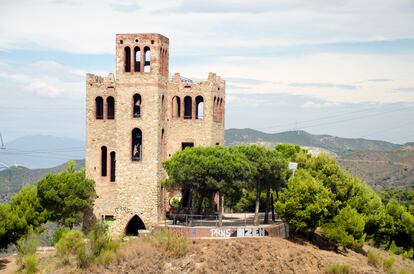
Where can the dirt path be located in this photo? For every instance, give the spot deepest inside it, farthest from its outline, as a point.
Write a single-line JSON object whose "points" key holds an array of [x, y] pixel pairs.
{"points": [[8, 264]]}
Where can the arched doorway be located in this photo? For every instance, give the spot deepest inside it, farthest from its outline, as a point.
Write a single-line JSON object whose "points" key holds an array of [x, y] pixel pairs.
{"points": [[134, 225]]}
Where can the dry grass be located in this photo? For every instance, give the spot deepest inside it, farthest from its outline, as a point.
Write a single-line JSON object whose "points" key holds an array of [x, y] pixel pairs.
{"points": [[236, 255]]}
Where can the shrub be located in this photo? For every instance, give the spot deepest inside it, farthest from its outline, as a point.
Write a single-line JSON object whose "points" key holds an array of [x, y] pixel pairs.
{"points": [[99, 238], [338, 269], [388, 263], [26, 252], [374, 259], [71, 244], [29, 264], [403, 271], [57, 235], [174, 245], [105, 257], [83, 257]]}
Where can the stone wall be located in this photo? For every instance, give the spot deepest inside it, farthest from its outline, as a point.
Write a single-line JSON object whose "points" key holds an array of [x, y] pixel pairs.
{"points": [[136, 190]]}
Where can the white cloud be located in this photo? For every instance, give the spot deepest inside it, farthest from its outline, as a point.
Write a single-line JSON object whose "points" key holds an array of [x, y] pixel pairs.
{"points": [[89, 26], [45, 78], [312, 104]]}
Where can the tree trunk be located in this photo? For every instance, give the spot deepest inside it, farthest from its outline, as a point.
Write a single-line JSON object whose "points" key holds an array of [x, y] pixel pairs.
{"points": [[213, 206], [266, 218], [273, 207], [221, 209], [200, 204], [256, 211]]}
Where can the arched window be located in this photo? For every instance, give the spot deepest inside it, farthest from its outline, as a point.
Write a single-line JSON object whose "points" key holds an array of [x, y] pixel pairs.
{"points": [[147, 63], [199, 107], [103, 160], [176, 107], [166, 62], [215, 109], [136, 144], [127, 60], [221, 110], [99, 107], [188, 107], [137, 58], [112, 165], [137, 106], [110, 103], [162, 107]]}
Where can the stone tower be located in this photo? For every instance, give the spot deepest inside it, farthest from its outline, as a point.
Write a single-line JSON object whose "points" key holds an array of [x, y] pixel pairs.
{"points": [[137, 119]]}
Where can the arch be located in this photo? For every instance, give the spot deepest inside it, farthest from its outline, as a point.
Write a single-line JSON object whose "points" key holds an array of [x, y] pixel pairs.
{"points": [[136, 146], [199, 107], [104, 156], [176, 107], [134, 224], [110, 103], [127, 59], [147, 59], [99, 107], [112, 165], [136, 110], [137, 59], [188, 107]]}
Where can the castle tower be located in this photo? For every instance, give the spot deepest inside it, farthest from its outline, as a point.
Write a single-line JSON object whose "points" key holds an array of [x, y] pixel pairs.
{"points": [[138, 119]]}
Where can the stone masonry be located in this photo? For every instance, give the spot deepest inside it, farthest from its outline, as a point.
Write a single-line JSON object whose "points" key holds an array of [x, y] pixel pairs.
{"points": [[137, 119]]}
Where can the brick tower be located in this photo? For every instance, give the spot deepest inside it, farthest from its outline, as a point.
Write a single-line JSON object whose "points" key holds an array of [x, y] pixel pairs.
{"points": [[138, 119]]}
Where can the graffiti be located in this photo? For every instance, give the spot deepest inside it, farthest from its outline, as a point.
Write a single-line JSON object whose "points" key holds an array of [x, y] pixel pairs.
{"points": [[220, 232], [250, 232]]}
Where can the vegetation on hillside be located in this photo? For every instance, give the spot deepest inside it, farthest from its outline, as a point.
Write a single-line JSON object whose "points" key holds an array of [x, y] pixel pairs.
{"points": [[63, 198], [320, 195]]}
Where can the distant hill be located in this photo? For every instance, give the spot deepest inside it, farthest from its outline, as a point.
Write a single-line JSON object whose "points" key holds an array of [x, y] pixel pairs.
{"points": [[14, 178], [42, 151], [381, 164], [333, 144], [382, 169]]}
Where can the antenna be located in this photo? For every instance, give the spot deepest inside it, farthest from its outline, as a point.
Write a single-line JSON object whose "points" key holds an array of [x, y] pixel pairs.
{"points": [[1, 142]]}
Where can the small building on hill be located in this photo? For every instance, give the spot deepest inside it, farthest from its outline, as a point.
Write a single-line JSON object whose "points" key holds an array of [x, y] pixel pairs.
{"points": [[138, 118]]}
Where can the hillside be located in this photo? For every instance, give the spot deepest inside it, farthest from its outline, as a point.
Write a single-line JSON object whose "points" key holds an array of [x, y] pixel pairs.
{"points": [[334, 144], [232, 255], [12, 179], [382, 169]]}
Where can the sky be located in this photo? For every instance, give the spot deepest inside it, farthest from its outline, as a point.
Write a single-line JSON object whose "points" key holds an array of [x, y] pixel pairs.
{"points": [[338, 67]]}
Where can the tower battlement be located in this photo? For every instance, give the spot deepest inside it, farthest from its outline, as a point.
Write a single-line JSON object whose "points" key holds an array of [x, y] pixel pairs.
{"points": [[136, 119]]}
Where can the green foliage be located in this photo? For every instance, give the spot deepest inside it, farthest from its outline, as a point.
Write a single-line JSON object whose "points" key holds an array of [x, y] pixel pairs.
{"points": [[346, 229], [26, 252], [388, 263], [374, 259], [57, 235], [338, 269], [29, 264], [66, 195], [404, 197], [99, 238], [22, 214], [305, 201], [206, 169], [70, 244], [26, 247], [175, 245]]}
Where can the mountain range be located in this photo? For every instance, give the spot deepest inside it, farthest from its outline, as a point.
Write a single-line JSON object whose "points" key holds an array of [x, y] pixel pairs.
{"points": [[381, 164]]}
